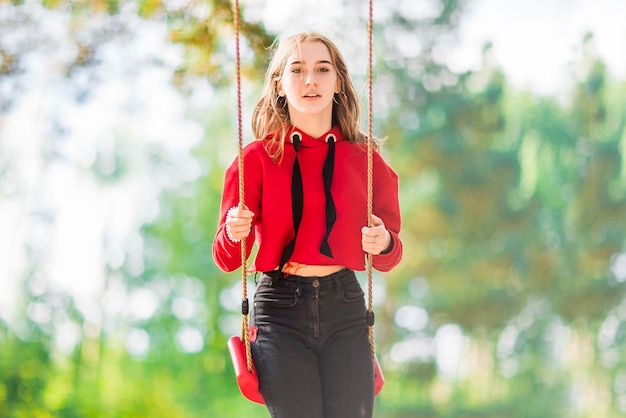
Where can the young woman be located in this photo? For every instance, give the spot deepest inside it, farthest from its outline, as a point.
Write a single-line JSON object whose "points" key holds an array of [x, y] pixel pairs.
{"points": [[306, 209]]}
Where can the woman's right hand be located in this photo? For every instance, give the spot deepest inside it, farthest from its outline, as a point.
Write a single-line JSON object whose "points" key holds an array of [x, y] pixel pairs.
{"points": [[238, 223]]}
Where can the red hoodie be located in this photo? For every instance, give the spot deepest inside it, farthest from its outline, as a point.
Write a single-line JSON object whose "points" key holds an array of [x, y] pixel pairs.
{"points": [[268, 195]]}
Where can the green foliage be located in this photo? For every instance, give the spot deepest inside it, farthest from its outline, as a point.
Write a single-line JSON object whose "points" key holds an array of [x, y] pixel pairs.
{"points": [[26, 369], [204, 28], [206, 40], [518, 211]]}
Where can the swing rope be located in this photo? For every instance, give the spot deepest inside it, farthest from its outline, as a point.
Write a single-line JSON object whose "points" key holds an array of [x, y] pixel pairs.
{"points": [[245, 306], [370, 175], [244, 301]]}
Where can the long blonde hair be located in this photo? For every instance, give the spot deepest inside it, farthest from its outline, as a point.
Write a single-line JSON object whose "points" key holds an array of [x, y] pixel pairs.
{"points": [[270, 118]]}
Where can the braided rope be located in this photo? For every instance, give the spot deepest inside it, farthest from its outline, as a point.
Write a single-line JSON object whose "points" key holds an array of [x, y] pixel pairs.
{"points": [[244, 285], [370, 169]]}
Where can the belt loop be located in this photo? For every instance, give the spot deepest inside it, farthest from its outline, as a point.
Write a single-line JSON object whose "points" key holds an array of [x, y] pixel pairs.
{"points": [[299, 286], [337, 282], [256, 279]]}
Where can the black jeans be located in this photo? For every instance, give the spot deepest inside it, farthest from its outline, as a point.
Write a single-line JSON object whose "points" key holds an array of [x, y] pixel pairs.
{"points": [[312, 350]]}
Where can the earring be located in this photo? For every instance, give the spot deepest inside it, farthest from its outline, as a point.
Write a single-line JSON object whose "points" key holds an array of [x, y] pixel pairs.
{"points": [[335, 98], [278, 101]]}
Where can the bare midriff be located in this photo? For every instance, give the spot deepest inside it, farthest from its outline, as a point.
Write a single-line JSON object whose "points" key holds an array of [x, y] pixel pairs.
{"points": [[310, 270]]}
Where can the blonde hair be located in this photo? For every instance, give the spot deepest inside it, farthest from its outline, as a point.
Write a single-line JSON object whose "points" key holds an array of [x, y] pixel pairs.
{"points": [[270, 118]]}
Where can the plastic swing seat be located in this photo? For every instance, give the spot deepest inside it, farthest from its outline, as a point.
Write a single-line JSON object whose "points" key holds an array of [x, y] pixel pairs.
{"points": [[248, 381]]}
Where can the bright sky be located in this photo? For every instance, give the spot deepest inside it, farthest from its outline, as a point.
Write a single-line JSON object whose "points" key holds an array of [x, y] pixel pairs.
{"points": [[535, 41]]}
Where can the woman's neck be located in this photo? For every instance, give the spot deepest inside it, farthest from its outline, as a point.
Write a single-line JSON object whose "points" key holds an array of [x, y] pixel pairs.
{"points": [[313, 126]]}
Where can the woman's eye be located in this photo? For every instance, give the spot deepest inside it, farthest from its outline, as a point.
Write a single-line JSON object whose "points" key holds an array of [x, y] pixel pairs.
{"points": [[296, 70], [323, 69]]}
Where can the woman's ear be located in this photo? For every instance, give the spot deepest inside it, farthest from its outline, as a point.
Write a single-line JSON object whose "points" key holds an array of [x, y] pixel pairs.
{"points": [[279, 88]]}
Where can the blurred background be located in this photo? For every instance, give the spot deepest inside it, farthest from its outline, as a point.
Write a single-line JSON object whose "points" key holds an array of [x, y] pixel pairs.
{"points": [[506, 121]]}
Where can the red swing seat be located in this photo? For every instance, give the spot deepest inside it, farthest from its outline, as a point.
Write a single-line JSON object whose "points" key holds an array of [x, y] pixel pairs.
{"points": [[248, 381]]}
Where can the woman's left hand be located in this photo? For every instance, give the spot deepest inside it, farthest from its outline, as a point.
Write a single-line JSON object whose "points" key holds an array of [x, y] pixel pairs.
{"points": [[375, 239]]}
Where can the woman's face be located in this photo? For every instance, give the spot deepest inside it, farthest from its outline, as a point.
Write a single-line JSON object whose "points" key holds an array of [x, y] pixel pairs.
{"points": [[309, 83]]}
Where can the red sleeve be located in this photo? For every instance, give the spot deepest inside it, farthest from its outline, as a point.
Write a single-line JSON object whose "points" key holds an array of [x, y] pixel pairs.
{"points": [[386, 205], [226, 253]]}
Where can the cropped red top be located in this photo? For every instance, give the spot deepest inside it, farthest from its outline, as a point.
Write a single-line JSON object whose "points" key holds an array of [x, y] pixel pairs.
{"points": [[268, 193]]}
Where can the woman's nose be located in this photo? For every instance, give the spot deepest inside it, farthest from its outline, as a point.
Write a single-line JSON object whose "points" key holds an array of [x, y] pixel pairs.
{"points": [[310, 80]]}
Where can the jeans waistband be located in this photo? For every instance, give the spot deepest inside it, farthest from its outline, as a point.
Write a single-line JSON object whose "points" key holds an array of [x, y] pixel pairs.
{"points": [[336, 278]]}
